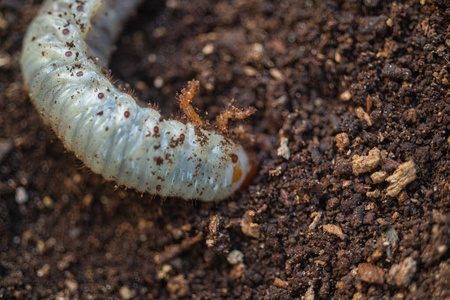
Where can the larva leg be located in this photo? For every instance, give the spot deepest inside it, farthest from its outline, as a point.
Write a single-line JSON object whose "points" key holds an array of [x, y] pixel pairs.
{"points": [[103, 126], [185, 100], [233, 113]]}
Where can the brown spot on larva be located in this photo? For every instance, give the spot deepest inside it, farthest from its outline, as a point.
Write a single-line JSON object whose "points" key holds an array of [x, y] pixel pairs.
{"points": [[175, 142], [79, 73], [68, 53], [126, 114], [100, 113], [107, 128], [202, 138], [156, 147], [66, 31], [100, 95], [156, 132], [167, 157], [158, 188], [234, 158], [80, 8], [158, 159]]}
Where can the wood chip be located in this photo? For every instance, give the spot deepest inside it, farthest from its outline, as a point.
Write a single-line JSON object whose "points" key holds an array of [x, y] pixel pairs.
{"points": [[361, 114], [405, 174], [333, 229]]}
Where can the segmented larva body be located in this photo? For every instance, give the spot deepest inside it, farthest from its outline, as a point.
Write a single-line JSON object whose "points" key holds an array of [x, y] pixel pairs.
{"points": [[63, 51]]}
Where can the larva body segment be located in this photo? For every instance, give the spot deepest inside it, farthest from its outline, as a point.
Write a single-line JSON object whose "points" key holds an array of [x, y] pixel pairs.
{"points": [[105, 127]]}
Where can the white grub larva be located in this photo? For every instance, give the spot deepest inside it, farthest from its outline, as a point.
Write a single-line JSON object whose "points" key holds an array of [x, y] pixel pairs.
{"points": [[64, 50]]}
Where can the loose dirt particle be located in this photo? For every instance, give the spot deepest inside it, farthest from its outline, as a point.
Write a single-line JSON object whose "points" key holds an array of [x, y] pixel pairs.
{"points": [[21, 195], [403, 273], [373, 194], [249, 228], [405, 174], [334, 229], [342, 141], [178, 286], [310, 295], [370, 273], [396, 73], [208, 49], [72, 285], [47, 201], [363, 164], [361, 114], [379, 177], [163, 272], [276, 74], [313, 224], [283, 150], [412, 115], [126, 293], [66, 261], [214, 224], [280, 283], [235, 257], [43, 271], [237, 271], [5, 147], [345, 96]]}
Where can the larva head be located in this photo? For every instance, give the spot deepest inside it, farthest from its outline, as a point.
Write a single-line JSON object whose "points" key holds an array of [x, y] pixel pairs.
{"points": [[239, 172]]}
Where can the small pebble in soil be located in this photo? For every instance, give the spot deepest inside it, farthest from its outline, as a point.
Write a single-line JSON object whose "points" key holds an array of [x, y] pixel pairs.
{"points": [[126, 293], [235, 257], [370, 273], [21, 195]]}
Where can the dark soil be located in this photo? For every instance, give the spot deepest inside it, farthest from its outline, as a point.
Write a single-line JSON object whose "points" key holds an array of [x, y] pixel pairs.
{"points": [[337, 79]]}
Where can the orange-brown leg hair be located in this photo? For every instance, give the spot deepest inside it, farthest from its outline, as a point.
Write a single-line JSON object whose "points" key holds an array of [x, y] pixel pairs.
{"points": [[185, 99], [232, 112]]}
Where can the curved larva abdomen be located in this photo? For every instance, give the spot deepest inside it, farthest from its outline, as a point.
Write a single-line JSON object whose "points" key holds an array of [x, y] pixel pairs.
{"points": [[105, 128]]}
